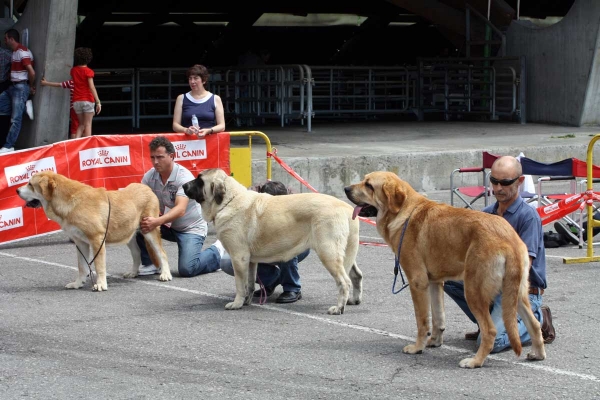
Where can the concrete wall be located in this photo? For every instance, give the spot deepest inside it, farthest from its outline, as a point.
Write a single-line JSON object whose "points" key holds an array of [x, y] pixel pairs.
{"points": [[562, 66], [424, 171], [51, 25]]}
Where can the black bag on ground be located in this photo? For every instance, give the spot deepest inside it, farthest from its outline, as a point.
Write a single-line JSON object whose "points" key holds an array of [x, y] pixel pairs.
{"points": [[553, 240]]}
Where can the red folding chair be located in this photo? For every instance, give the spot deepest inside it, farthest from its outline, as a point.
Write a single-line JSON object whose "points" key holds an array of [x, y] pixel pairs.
{"points": [[473, 192]]}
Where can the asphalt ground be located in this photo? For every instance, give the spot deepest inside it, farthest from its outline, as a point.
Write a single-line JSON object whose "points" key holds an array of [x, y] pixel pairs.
{"points": [[145, 339]]}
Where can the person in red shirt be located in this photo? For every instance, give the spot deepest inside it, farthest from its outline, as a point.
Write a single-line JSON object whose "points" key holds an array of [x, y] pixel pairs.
{"points": [[84, 91], [66, 85]]}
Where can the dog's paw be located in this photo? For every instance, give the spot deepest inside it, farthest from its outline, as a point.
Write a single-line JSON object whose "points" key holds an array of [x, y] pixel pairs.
{"points": [[532, 356], [130, 274], [165, 276], [74, 285], [434, 341], [412, 349], [354, 302], [233, 305], [335, 310], [100, 287], [469, 363]]}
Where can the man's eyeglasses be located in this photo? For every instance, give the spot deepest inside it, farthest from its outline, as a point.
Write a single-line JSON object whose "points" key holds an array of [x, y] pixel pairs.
{"points": [[503, 182]]}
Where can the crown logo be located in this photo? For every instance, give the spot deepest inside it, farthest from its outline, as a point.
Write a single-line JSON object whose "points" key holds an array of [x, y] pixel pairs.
{"points": [[180, 146], [30, 167], [103, 153]]}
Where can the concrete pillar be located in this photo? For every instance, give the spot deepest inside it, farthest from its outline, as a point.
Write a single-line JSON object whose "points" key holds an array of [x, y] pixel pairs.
{"points": [[563, 66], [51, 25]]}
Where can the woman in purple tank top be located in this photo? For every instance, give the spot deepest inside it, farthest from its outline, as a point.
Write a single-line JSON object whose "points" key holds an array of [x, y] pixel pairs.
{"points": [[206, 106]]}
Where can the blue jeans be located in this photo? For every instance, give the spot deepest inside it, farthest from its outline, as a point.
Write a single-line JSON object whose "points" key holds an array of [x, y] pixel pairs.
{"points": [[192, 260], [12, 102], [286, 275], [456, 292], [282, 273]]}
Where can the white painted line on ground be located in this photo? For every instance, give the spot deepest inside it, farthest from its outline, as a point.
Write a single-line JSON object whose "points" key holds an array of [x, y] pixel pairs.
{"points": [[532, 365], [372, 238]]}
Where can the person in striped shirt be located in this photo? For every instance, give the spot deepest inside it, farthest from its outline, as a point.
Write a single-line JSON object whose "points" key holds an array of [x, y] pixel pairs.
{"points": [[13, 99], [66, 85]]}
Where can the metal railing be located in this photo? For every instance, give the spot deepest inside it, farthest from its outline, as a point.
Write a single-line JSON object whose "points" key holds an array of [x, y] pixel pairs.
{"points": [[267, 92], [298, 93], [157, 90], [459, 86], [117, 90], [361, 91]]}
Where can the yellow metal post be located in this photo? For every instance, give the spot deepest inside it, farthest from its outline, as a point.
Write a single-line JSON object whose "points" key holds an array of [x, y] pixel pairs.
{"points": [[591, 222], [241, 157]]}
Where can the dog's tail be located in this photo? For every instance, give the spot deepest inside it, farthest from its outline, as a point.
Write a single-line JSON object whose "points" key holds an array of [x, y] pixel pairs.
{"points": [[155, 258], [514, 285]]}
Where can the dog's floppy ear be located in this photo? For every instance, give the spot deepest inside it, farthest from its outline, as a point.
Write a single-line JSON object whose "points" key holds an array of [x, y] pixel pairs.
{"points": [[47, 186], [218, 191], [395, 196]]}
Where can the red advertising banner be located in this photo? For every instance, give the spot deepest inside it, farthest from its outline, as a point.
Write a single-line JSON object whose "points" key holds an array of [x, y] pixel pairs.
{"points": [[110, 161]]}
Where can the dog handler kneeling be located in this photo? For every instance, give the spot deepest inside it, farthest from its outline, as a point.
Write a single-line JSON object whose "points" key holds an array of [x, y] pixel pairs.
{"points": [[506, 177], [181, 220]]}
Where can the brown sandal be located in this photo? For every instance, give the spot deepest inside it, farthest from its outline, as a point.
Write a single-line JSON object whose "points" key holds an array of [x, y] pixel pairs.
{"points": [[548, 332]]}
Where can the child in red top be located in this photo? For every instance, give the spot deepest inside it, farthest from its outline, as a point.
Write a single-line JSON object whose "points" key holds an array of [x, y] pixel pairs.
{"points": [[84, 91]]}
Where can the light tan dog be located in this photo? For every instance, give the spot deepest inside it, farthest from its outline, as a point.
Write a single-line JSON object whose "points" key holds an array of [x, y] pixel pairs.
{"points": [[82, 212], [257, 227], [442, 243]]}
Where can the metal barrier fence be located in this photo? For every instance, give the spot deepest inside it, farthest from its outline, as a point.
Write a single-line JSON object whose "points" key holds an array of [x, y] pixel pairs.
{"points": [[361, 91], [493, 87], [269, 92], [117, 89], [485, 86]]}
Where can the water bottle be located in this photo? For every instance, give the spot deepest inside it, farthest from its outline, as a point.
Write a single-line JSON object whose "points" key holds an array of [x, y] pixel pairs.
{"points": [[195, 121]]}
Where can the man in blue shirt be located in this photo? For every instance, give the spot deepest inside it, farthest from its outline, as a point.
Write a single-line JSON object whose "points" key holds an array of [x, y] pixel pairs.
{"points": [[506, 177]]}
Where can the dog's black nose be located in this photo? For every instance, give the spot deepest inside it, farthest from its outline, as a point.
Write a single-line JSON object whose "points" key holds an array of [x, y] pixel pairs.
{"points": [[347, 189]]}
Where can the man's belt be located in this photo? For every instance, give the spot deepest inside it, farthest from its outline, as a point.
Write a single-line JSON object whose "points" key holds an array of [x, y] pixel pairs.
{"points": [[535, 290]]}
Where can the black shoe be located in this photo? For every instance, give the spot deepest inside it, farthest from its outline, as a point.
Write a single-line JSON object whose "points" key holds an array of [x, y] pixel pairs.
{"points": [[269, 290], [289, 297], [472, 335], [548, 332], [566, 233]]}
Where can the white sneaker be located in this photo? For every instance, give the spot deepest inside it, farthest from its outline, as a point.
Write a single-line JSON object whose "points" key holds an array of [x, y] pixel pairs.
{"points": [[6, 149], [219, 246], [225, 263], [148, 270], [29, 109]]}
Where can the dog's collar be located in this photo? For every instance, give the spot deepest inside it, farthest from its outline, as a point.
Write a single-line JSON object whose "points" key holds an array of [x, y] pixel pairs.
{"points": [[221, 207]]}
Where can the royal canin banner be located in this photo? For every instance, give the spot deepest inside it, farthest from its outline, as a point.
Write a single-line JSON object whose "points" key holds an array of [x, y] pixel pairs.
{"points": [[109, 161]]}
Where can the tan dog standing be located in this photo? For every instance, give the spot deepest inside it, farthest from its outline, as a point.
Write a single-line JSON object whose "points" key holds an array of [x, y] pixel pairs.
{"points": [[82, 211], [257, 227], [442, 243]]}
